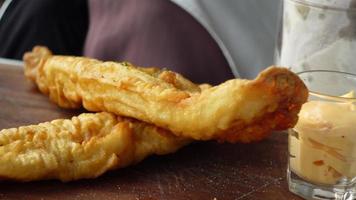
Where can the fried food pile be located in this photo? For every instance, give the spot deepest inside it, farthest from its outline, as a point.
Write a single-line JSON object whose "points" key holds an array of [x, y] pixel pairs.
{"points": [[142, 111], [234, 111], [83, 147]]}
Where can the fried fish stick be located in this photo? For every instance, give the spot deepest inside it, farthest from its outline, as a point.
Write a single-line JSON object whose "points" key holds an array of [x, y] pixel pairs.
{"points": [[234, 111], [83, 147]]}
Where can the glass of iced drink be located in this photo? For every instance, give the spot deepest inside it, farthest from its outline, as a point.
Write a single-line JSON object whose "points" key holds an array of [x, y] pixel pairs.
{"points": [[322, 145]]}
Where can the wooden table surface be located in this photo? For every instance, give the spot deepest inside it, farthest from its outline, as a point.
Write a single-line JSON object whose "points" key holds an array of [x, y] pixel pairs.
{"points": [[203, 170]]}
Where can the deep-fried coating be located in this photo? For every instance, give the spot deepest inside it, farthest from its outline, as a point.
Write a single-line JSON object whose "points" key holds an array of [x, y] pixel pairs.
{"points": [[237, 110], [83, 147]]}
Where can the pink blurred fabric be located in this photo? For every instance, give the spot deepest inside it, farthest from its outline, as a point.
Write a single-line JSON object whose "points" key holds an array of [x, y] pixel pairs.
{"points": [[154, 33]]}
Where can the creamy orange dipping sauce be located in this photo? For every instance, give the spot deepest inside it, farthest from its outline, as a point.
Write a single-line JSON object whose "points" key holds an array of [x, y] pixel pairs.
{"points": [[322, 145]]}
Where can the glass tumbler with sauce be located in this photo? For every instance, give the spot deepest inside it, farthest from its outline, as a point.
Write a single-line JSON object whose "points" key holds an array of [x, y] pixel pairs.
{"points": [[322, 145]]}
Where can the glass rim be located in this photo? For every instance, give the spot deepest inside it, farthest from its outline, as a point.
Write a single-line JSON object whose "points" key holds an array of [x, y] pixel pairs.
{"points": [[353, 99], [322, 6]]}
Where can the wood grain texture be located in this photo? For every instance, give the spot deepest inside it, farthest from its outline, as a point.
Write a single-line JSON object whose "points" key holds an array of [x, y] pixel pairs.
{"points": [[206, 170]]}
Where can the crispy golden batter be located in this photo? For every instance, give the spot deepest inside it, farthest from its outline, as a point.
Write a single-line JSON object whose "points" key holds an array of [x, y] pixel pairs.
{"points": [[237, 110], [83, 147]]}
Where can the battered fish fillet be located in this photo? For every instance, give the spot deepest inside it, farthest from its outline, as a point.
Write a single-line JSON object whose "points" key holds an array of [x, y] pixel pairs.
{"points": [[83, 147], [234, 111]]}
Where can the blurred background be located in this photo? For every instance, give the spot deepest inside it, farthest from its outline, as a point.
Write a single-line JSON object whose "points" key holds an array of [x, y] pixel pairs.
{"points": [[205, 40]]}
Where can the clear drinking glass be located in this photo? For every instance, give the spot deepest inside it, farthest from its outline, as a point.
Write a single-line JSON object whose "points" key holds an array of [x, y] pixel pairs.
{"points": [[317, 40], [317, 34], [322, 145]]}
